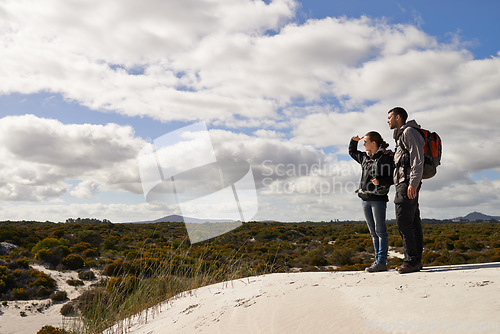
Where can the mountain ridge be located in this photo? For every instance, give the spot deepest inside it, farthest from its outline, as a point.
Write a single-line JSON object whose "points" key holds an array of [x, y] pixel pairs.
{"points": [[181, 219], [473, 216], [477, 216]]}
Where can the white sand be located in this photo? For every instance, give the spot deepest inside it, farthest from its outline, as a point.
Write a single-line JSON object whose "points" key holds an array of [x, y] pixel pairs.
{"points": [[39, 312], [448, 299]]}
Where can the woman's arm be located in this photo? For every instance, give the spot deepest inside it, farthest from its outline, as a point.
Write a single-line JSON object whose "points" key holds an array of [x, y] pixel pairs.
{"points": [[353, 149]]}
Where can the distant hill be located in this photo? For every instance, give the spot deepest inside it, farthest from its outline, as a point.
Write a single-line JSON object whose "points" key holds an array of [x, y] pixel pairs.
{"points": [[180, 219], [474, 216]]}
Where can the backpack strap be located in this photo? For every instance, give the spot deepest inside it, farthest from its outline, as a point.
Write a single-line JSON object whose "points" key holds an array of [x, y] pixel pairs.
{"points": [[404, 161]]}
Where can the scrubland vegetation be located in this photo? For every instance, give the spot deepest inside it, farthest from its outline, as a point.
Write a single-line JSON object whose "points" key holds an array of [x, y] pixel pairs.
{"points": [[144, 264]]}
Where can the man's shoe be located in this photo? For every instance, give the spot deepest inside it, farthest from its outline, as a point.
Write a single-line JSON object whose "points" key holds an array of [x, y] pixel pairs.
{"points": [[406, 268], [376, 267], [420, 265]]}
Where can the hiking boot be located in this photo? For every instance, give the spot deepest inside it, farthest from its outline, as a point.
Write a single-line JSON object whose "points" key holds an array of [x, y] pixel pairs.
{"points": [[420, 265], [376, 267], [371, 266], [406, 268]]}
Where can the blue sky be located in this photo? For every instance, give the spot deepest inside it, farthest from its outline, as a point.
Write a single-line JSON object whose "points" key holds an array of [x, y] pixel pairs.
{"points": [[475, 23], [280, 84]]}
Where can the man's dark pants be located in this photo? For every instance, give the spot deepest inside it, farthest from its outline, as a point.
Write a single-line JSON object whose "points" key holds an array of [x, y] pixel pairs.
{"points": [[409, 224]]}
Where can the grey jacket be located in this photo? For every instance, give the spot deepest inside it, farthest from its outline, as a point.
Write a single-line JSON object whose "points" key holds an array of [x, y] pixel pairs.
{"points": [[409, 137]]}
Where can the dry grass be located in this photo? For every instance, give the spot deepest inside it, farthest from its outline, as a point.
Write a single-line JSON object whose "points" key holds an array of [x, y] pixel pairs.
{"points": [[109, 306]]}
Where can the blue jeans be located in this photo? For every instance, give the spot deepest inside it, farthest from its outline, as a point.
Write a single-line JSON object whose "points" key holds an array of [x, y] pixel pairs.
{"points": [[375, 219]]}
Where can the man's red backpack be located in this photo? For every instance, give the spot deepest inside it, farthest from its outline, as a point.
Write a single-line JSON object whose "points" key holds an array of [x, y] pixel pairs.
{"points": [[432, 152]]}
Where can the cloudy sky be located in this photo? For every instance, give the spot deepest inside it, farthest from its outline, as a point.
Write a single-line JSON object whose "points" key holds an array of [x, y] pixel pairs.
{"points": [[282, 85]]}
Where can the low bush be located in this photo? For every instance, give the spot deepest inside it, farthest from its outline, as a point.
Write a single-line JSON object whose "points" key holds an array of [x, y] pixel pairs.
{"points": [[75, 282], [86, 275], [19, 293], [67, 309], [42, 279], [73, 262], [42, 292], [59, 296], [52, 330], [23, 263]]}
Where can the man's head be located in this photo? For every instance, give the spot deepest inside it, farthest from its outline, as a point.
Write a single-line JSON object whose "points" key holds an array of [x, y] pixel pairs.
{"points": [[397, 117]]}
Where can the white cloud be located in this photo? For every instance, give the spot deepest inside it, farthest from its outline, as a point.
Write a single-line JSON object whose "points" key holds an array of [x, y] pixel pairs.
{"points": [[268, 134], [85, 51], [59, 212], [85, 189], [39, 155], [119, 32], [471, 196], [320, 82], [212, 60]]}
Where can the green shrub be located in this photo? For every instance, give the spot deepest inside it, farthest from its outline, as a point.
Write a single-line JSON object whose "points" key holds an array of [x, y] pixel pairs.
{"points": [[42, 279], [117, 268], [23, 263], [45, 255], [73, 262], [90, 263], [93, 301], [317, 258], [86, 275], [342, 257], [122, 285], [80, 247], [53, 255], [4, 272], [67, 309], [49, 243], [42, 292], [75, 282], [460, 245], [59, 296], [52, 330], [19, 293], [91, 252], [91, 237], [4, 277], [474, 244]]}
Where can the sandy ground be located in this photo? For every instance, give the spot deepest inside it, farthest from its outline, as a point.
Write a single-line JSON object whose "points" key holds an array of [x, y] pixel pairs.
{"points": [[448, 299], [39, 312]]}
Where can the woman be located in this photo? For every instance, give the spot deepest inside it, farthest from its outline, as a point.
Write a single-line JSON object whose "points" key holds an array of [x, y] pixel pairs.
{"points": [[376, 180]]}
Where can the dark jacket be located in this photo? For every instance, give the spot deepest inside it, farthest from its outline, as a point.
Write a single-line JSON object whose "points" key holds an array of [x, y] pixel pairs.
{"points": [[382, 172]]}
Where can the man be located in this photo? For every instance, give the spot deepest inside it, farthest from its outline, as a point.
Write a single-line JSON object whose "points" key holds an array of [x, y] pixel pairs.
{"points": [[409, 163]]}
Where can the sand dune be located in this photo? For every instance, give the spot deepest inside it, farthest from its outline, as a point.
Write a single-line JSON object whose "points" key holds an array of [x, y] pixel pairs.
{"points": [[37, 313], [448, 299]]}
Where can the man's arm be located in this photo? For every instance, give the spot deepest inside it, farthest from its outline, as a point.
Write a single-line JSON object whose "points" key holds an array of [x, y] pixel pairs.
{"points": [[415, 145]]}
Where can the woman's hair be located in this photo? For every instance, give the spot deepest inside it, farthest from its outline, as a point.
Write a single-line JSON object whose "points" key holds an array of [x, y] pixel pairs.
{"points": [[377, 138]]}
